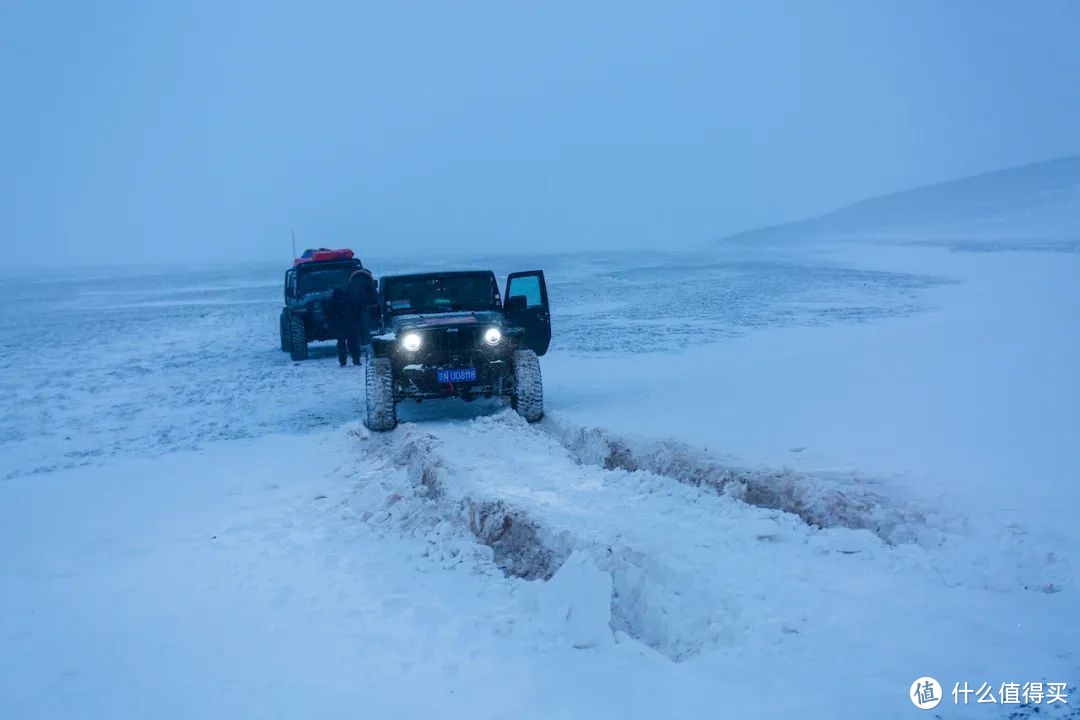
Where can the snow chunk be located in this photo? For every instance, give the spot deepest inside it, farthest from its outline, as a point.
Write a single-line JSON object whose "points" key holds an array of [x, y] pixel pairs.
{"points": [[576, 602]]}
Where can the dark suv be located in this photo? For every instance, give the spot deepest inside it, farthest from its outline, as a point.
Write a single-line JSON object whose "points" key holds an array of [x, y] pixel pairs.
{"points": [[309, 286], [450, 334]]}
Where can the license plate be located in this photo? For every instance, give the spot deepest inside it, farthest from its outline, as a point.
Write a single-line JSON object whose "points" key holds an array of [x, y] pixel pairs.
{"points": [[453, 376]]}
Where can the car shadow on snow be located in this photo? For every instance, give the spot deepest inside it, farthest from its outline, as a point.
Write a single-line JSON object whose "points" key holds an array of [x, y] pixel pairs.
{"points": [[449, 409], [320, 351]]}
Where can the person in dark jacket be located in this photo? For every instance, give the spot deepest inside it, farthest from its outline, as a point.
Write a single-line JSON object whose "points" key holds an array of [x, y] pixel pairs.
{"points": [[364, 304], [352, 311], [343, 324]]}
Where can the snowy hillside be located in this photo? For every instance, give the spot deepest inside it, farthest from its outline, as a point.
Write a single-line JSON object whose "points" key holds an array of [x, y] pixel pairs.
{"points": [[1035, 206]]}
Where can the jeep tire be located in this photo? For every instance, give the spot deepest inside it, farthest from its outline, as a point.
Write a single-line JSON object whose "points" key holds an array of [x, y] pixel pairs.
{"points": [[298, 349], [283, 326], [528, 395], [379, 391]]}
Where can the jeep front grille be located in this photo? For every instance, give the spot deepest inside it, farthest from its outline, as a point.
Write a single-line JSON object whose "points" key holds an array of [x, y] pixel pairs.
{"points": [[448, 341]]}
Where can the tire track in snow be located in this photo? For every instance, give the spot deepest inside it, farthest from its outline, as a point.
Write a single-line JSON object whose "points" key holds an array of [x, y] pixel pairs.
{"points": [[522, 546], [829, 501], [816, 501], [689, 569], [512, 536]]}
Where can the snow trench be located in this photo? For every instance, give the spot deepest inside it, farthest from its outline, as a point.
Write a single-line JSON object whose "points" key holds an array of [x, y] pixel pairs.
{"points": [[817, 501], [665, 605], [524, 548], [513, 537]]}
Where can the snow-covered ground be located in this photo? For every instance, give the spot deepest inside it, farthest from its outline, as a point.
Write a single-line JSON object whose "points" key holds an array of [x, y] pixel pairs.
{"points": [[774, 482]]}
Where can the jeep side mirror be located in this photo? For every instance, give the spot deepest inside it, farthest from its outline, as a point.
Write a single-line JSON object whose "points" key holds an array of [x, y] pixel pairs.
{"points": [[515, 303]]}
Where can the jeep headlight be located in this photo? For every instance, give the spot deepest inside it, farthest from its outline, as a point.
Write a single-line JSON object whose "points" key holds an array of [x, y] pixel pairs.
{"points": [[492, 336], [411, 341]]}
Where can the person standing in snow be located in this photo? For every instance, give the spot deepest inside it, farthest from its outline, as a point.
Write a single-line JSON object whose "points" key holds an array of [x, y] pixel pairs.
{"points": [[342, 323], [364, 303], [352, 311]]}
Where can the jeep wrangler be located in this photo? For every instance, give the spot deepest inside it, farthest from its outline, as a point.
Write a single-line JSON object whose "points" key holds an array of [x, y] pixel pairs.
{"points": [[309, 286], [450, 335]]}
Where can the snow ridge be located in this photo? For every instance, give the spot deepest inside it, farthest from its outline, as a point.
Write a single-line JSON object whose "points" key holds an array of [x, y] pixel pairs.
{"points": [[815, 501], [514, 539], [1029, 207], [643, 596]]}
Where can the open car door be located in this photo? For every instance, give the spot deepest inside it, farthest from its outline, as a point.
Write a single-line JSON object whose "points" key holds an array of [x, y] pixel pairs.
{"points": [[526, 305]]}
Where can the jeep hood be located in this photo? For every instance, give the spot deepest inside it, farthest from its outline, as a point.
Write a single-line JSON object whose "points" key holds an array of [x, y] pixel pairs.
{"points": [[399, 323]]}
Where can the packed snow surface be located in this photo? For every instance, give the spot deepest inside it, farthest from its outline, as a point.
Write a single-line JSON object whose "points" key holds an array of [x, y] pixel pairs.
{"points": [[770, 483]]}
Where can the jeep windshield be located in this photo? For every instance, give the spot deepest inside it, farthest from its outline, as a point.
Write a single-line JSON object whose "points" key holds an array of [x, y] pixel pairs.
{"points": [[419, 294], [323, 279]]}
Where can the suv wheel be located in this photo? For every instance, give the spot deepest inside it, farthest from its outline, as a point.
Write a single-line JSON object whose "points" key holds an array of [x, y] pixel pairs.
{"points": [[297, 338], [528, 396], [283, 326], [379, 387]]}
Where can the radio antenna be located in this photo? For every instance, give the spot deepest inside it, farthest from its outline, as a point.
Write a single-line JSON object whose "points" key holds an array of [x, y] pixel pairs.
{"points": [[293, 234]]}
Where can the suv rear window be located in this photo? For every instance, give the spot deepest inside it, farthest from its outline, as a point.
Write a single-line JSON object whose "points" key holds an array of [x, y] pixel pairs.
{"points": [[313, 281]]}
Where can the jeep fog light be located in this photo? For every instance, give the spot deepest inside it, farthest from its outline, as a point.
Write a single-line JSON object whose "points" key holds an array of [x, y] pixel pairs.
{"points": [[411, 342], [492, 336]]}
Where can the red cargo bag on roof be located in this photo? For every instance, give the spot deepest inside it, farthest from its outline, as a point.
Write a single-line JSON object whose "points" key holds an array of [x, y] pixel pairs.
{"points": [[324, 255]]}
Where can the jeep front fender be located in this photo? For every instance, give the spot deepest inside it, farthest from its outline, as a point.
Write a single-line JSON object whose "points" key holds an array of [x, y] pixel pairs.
{"points": [[383, 347]]}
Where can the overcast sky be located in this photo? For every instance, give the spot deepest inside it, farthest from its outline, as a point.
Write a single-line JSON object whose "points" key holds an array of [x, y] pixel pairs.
{"points": [[159, 131]]}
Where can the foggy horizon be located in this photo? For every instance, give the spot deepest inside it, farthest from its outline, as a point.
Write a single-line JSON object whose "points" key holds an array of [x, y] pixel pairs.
{"points": [[184, 131]]}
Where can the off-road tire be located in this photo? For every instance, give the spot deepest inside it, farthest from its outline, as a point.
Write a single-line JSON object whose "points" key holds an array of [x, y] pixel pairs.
{"points": [[379, 391], [528, 396], [298, 349], [283, 326]]}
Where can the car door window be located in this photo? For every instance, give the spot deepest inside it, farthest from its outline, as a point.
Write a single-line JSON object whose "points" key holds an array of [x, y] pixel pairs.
{"points": [[527, 286]]}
